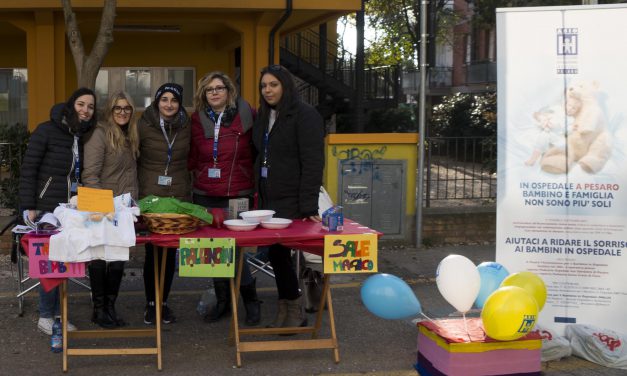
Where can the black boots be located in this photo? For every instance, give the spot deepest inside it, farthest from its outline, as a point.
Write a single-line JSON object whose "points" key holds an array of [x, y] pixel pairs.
{"points": [[223, 298], [115, 272], [251, 303], [105, 286], [223, 304], [97, 278]]}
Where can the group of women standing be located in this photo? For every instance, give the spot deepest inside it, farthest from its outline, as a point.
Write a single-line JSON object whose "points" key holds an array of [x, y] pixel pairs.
{"points": [[231, 152]]}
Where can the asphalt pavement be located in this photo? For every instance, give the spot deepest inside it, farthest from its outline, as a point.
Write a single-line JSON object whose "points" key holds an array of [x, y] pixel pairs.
{"points": [[368, 345]]}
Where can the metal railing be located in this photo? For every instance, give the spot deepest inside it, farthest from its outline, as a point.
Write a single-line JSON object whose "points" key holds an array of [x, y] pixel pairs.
{"points": [[380, 82], [480, 72], [459, 171], [439, 77]]}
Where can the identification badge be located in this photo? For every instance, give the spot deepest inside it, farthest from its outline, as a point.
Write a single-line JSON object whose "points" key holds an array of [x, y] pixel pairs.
{"points": [[214, 173], [264, 172], [164, 180], [74, 187]]}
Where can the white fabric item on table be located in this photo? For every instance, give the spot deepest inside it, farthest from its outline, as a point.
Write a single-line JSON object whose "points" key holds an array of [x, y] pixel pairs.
{"points": [[83, 240]]}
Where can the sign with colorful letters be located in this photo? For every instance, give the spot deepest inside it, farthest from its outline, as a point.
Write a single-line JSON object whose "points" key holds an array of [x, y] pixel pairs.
{"points": [[207, 257], [350, 254], [39, 266]]}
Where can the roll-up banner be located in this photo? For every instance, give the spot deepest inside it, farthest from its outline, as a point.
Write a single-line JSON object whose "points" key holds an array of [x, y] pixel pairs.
{"points": [[562, 164]]}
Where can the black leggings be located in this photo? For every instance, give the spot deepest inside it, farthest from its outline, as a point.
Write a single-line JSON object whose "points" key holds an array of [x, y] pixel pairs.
{"points": [[149, 275], [284, 274]]}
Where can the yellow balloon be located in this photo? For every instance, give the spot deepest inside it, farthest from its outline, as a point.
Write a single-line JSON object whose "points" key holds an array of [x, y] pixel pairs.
{"points": [[530, 282], [509, 313]]}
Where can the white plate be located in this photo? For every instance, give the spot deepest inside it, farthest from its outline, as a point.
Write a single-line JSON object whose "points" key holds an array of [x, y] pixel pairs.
{"points": [[256, 216], [239, 225], [276, 223]]}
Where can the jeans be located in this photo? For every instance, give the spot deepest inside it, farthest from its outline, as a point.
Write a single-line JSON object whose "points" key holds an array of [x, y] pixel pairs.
{"points": [[49, 306]]}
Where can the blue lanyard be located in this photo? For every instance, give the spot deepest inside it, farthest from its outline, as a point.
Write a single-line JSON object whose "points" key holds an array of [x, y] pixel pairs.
{"points": [[266, 142], [170, 144], [77, 159], [216, 133]]}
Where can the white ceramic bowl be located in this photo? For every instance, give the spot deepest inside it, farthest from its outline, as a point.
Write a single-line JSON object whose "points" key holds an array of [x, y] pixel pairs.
{"points": [[239, 225], [256, 216], [276, 223]]}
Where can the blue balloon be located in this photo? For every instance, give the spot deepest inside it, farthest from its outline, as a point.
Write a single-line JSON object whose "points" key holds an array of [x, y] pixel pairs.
{"points": [[492, 274], [389, 297]]}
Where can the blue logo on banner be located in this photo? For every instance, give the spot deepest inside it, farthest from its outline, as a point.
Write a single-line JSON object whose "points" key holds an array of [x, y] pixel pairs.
{"points": [[567, 41]]}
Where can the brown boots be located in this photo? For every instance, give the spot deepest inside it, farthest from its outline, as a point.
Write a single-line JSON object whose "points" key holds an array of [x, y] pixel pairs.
{"points": [[290, 313]]}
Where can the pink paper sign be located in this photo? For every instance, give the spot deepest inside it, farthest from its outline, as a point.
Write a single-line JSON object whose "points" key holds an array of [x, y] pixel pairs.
{"points": [[40, 267]]}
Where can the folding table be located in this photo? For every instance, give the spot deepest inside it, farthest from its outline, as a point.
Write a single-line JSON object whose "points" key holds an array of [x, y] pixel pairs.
{"points": [[301, 235]]}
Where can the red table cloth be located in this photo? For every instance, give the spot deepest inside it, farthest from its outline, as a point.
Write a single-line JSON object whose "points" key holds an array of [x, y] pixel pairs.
{"points": [[305, 235]]}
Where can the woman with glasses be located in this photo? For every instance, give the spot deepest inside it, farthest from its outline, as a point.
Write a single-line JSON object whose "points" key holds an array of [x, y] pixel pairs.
{"points": [[164, 137], [221, 161], [110, 163], [289, 138], [51, 173]]}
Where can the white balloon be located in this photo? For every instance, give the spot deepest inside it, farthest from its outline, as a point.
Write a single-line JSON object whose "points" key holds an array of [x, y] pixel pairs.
{"points": [[458, 281]]}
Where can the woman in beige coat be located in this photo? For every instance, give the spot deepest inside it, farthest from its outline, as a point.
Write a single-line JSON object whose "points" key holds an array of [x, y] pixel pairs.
{"points": [[110, 163]]}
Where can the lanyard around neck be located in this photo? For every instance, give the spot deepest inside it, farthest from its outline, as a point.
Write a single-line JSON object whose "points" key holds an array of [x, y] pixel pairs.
{"points": [[77, 159], [168, 142], [216, 133]]}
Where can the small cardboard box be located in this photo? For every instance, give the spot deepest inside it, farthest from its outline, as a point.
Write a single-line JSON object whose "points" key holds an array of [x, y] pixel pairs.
{"points": [[453, 348], [236, 206]]}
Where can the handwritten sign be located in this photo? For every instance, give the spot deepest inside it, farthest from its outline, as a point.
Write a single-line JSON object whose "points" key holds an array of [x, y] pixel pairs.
{"points": [[350, 254], [39, 266], [207, 257], [95, 200]]}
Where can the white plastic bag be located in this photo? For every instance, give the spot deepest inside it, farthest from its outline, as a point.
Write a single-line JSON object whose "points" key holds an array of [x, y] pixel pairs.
{"points": [[601, 346], [554, 347], [324, 201]]}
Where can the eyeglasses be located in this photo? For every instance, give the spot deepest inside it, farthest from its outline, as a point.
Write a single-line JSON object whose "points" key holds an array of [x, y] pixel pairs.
{"points": [[274, 68], [217, 89], [119, 109]]}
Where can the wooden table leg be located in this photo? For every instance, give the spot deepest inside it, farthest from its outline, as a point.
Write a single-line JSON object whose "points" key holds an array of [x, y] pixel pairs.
{"points": [[336, 347], [234, 330], [64, 320], [159, 281]]}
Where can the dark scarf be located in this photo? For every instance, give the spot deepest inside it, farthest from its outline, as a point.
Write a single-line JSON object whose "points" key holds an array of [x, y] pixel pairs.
{"points": [[227, 117]]}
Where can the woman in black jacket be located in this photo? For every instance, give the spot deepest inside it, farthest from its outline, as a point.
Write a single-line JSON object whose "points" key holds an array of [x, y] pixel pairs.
{"points": [[51, 173], [289, 138]]}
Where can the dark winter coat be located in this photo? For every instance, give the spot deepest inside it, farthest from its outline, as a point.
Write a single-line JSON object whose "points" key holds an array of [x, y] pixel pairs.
{"points": [[153, 155], [295, 162], [235, 154], [48, 166]]}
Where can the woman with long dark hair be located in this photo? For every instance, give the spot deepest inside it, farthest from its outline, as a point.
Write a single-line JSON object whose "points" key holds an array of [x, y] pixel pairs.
{"points": [[51, 173], [289, 138]]}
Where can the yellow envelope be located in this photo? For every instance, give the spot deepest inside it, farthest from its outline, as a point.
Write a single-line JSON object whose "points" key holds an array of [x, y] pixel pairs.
{"points": [[95, 200]]}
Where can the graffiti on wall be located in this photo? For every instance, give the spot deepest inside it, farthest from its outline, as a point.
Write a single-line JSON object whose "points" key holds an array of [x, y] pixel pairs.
{"points": [[360, 159], [359, 153]]}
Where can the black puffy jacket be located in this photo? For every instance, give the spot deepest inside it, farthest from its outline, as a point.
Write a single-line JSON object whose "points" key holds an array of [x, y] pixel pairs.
{"points": [[48, 166]]}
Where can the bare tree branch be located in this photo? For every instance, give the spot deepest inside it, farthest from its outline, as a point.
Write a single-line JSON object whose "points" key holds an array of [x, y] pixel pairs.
{"points": [[87, 67], [101, 45], [73, 36]]}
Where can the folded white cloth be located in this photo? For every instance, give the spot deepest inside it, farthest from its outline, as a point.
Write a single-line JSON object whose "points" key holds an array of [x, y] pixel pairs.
{"points": [[82, 239]]}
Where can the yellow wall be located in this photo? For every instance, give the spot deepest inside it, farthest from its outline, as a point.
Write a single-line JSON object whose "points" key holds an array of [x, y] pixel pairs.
{"points": [[33, 35], [384, 146]]}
